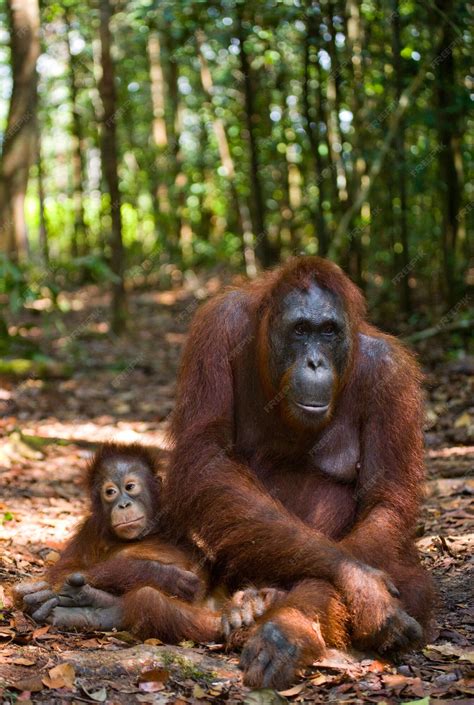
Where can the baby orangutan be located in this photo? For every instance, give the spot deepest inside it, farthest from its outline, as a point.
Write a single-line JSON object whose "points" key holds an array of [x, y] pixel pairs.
{"points": [[118, 570]]}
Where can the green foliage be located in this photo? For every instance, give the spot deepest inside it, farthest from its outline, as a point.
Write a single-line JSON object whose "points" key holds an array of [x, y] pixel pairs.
{"points": [[89, 268], [15, 290], [319, 103], [21, 285]]}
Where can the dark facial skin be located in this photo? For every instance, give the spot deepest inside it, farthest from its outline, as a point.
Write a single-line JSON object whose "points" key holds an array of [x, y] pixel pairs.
{"points": [[310, 346], [125, 498]]}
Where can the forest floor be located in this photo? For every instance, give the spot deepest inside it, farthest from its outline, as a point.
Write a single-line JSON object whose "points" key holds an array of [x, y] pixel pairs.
{"points": [[123, 389]]}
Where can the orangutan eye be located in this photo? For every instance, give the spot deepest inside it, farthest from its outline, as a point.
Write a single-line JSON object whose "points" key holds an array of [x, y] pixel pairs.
{"points": [[110, 492], [301, 328], [328, 329], [133, 486]]}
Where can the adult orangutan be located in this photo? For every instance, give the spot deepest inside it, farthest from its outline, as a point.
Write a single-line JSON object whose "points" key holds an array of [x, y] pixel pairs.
{"points": [[298, 464]]}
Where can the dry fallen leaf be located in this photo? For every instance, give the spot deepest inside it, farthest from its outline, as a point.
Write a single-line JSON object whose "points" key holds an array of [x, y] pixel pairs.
{"points": [[98, 696], [319, 679], [154, 675], [378, 666], [41, 631], [216, 689], [21, 623], [61, 676], [51, 557], [121, 637], [151, 686], [395, 682], [198, 692], [92, 643], [6, 635], [450, 650], [337, 660], [153, 680], [32, 685], [20, 661], [399, 682], [295, 690]]}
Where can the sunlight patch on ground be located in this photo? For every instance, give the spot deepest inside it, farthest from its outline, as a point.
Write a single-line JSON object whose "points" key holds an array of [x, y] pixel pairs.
{"points": [[123, 432], [39, 522], [446, 452]]}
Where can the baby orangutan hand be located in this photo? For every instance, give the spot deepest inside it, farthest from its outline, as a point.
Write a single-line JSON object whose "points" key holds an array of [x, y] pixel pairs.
{"points": [[244, 608]]}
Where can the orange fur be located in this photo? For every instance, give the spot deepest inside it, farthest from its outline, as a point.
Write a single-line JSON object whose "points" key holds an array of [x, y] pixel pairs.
{"points": [[250, 488], [128, 567]]}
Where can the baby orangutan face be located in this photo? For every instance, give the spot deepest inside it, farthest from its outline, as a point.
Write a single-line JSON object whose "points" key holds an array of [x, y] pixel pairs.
{"points": [[126, 498]]}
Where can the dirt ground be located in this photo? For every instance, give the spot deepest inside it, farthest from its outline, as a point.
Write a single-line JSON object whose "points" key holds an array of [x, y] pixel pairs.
{"points": [[123, 389]]}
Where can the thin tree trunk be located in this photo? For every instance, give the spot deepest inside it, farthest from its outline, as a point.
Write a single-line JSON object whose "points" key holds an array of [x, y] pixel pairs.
{"points": [[354, 41], [19, 149], [312, 134], [157, 87], [323, 119], [448, 135], [43, 232], [334, 107], [263, 247], [177, 178], [78, 241], [227, 162], [399, 144], [108, 96], [160, 175], [288, 177]]}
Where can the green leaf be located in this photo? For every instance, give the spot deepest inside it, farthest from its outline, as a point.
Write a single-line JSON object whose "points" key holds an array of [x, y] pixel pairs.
{"points": [[264, 696]]}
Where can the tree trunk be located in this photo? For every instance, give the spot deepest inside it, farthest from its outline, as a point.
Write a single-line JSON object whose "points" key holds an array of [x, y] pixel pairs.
{"points": [[312, 134], [160, 174], [263, 247], [227, 162], [399, 143], [108, 97], [323, 119], [355, 40], [334, 107], [43, 232], [19, 149], [177, 178], [78, 242], [448, 130]]}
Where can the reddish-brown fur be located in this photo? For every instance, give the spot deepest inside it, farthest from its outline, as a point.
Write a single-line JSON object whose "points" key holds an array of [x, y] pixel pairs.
{"points": [[249, 488], [151, 614], [125, 568]]}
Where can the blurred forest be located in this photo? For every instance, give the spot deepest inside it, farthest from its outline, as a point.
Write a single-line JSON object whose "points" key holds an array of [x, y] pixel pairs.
{"points": [[153, 151], [144, 139]]}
